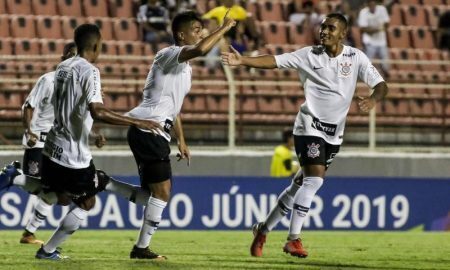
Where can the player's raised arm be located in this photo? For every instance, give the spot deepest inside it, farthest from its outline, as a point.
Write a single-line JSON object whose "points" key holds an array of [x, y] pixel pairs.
{"points": [[234, 58], [100, 113], [204, 45]]}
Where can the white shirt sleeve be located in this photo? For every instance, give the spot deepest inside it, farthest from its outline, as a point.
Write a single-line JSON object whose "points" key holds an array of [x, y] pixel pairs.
{"points": [[92, 87], [362, 19], [168, 57], [384, 14], [367, 72], [293, 60], [141, 16], [37, 92]]}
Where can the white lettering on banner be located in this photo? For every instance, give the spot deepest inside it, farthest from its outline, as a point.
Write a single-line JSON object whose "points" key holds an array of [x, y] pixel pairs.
{"points": [[214, 220], [12, 218], [259, 210], [173, 210], [360, 208], [111, 213], [239, 204], [135, 214]]}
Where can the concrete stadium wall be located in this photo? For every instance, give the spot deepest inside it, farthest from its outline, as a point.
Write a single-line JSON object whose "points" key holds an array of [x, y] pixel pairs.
{"points": [[257, 163]]}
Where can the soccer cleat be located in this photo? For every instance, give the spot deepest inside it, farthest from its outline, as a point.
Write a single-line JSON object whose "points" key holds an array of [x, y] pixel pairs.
{"points": [[145, 253], [295, 248], [258, 240], [8, 173], [30, 238], [54, 256]]}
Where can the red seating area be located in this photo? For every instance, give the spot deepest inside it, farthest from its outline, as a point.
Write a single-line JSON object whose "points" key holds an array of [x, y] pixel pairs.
{"points": [[35, 27]]}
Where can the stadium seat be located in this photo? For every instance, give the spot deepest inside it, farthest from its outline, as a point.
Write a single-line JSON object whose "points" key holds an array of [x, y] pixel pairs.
{"points": [[217, 103], [4, 26], [398, 37], [410, 2], [44, 7], [124, 8], [11, 100], [52, 46], [274, 33], [396, 107], [130, 48], [95, 8], [109, 48], [291, 104], [414, 15], [420, 107], [105, 25], [3, 7], [117, 101], [23, 27], [22, 7], [126, 29], [396, 16], [6, 46], [299, 35], [194, 103], [429, 55], [26, 46], [270, 10], [433, 13], [422, 38], [406, 55], [48, 27], [69, 24], [246, 104], [69, 8], [270, 104]]}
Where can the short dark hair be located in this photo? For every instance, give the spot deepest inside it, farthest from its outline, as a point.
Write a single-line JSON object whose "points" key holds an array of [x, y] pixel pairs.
{"points": [[182, 19], [86, 36], [338, 16], [67, 48], [287, 133]]}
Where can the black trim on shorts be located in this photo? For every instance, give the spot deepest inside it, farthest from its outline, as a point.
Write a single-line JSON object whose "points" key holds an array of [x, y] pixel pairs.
{"points": [[151, 152], [312, 150]]}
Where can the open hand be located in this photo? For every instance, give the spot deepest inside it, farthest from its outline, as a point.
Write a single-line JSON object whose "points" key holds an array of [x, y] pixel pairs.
{"points": [[366, 103], [233, 58]]}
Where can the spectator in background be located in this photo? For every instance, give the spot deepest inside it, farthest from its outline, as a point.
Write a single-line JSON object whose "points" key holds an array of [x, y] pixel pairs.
{"points": [[154, 20], [345, 9], [282, 163], [302, 13], [373, 21], [443, 32]]}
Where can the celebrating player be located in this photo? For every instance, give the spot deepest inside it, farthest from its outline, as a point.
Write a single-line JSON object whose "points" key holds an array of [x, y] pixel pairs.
{"points": [[329, 74]]}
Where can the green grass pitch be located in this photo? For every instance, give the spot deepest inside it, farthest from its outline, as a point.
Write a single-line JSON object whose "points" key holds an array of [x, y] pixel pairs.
{"points": [[104, 249]]}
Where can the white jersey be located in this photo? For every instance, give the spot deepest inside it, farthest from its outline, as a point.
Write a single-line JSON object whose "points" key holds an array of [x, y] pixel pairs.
{"points": [[77, 84], [329, 84], [376, 20], [40, 100], [168, 82]]}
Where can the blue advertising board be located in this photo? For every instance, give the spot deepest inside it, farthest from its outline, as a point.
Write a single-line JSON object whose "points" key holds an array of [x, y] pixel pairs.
{"points": [[223, 203]]}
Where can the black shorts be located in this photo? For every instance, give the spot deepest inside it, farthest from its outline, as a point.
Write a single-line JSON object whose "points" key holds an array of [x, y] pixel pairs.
{"points": [[77, 183], [312, 150], [32, 162], [151, 153]]}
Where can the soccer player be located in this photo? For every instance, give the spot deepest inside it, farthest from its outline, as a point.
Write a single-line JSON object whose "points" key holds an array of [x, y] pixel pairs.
{"points": [[329, 74], [168, 82], [67, 167]]}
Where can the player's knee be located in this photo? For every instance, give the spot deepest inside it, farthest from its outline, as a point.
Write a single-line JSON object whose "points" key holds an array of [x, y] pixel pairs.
{"points": [[63, 199], [86, 203]]}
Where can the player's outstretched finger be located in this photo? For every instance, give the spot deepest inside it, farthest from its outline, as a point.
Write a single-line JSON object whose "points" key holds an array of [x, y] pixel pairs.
{"points": [[233, 49]]}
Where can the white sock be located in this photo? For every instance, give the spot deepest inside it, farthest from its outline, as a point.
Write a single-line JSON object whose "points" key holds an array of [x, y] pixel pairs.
{"points": [[302, 203], [132, 193], [284, 205], [67, 226], [41, 210], [152, 217]]}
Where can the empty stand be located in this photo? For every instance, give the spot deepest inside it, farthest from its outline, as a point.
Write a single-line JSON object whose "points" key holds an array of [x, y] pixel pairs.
{"points": [[52, 46], [123, 8], [270, 10], [105, 25], [217, 103], [97, 8], [126, 29], [6, 47], [69, 24], [23, 27], [26, 46], [422, 38], [398, 37], [299, 34], [69, 8], [405, 55], [194, 103], [132, 48], [22, 7], [396, 16], [48, 27], [274, 33], [44, 7], [414, 15], [4, 26]]}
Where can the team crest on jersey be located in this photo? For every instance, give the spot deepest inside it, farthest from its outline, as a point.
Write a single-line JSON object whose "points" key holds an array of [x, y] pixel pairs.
{"points": [[33, 167], [346, 69], [313, 150]]}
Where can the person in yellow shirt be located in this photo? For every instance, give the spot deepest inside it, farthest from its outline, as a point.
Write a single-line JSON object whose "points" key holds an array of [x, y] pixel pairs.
{"points": [[236, 13], [282, 163]]}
